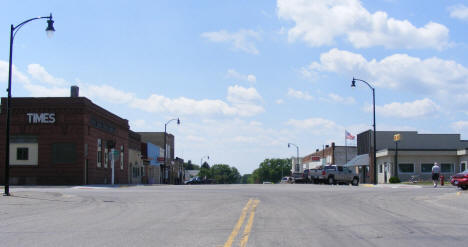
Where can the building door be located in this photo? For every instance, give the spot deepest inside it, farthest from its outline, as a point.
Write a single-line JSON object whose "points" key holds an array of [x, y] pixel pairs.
{"points": [[386, 168], [463, 166]]}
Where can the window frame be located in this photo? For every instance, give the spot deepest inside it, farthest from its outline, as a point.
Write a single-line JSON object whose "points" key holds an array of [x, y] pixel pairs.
{"points": [[18, 153], [99, 153], [399, 168], [430, 170], [106, 157], [451, 166]]}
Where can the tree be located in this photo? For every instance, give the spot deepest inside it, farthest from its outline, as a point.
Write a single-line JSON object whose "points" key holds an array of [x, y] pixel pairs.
{"points": [[205, 165], [270, 170], [246, 179], [190, 166], [221, 173]]}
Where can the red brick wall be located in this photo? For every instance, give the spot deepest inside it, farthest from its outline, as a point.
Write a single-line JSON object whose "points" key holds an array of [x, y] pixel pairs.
{"points": [[71, 126]]}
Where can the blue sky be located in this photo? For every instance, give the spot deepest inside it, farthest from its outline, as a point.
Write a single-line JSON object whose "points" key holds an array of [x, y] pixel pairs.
{"points": [[247, 77]]}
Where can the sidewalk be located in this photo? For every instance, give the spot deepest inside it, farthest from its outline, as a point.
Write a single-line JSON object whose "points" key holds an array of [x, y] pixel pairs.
{"points": [[394, 186]]}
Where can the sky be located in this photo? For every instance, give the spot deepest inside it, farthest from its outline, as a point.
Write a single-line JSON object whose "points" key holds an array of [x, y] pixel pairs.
{"points": [[248, 77]]}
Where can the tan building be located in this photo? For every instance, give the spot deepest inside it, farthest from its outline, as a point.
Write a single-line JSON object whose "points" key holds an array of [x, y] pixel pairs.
{"points": [[414, 153], [135, 162]]}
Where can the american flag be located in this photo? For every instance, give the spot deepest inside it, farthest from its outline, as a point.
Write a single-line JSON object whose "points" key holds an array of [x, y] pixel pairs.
{"points": [[348, 135]]}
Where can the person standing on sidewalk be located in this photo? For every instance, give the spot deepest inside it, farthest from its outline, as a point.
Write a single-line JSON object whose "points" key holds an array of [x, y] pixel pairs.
{"points": [[435, 173]]}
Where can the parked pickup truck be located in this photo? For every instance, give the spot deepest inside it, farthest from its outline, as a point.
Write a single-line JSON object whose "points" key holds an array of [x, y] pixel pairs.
{"points": [[316, 175], [301, 177], [334, 175]]}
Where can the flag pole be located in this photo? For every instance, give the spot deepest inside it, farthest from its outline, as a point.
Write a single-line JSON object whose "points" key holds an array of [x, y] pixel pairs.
{"points": [[346, 148]]}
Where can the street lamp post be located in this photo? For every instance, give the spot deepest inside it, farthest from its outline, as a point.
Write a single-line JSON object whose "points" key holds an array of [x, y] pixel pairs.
{"points": [[353, 84], [50, 30], [165, 142], [297, 149]]}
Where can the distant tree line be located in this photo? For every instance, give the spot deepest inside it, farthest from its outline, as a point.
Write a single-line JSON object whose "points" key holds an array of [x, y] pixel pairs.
{"points": [[220, 173], [190, 166], [269, 171]]}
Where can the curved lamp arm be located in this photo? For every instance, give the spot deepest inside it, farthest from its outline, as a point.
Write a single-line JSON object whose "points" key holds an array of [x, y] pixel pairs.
{"points": [[50, 23], [353, 83], [178, 121]]}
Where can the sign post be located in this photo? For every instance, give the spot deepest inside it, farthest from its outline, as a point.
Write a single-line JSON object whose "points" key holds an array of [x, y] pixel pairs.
{"points": [[396, 139], [112, 164]]}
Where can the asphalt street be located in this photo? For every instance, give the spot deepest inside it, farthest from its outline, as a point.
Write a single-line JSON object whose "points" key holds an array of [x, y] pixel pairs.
{"points": [[234, 215]]}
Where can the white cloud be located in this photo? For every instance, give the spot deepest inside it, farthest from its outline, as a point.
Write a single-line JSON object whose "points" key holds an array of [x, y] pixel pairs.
{"points": [[279, 101], [239, 95], [18, 76], [243, 40], [107, 93], [232, 73], [316, 126], [299, 94], [241, 101], [418, 108], [321, 22], [459, 12], [38, 72], [335, 98], [445, 79]]}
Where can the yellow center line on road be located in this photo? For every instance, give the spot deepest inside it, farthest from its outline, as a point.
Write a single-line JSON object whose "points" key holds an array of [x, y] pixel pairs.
{"points": [[238, 226], [248, 227]]}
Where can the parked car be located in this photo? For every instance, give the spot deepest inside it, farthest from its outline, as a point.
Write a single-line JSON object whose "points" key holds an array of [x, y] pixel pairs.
{"points": [[339, 174], [287, 180], [460, 180], [194, 180]]}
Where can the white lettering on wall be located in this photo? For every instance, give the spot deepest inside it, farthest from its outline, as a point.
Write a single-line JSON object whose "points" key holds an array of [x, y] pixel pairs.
{"points": [[41, 117]]}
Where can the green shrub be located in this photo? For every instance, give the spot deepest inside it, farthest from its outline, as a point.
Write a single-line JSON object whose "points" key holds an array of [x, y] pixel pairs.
{"points": [[394, 180]]}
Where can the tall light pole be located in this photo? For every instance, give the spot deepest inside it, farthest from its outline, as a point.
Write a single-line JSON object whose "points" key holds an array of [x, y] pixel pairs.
{"points": [[297, 149], [201, 160], [353, 84], [165, 142], [13, 30]]}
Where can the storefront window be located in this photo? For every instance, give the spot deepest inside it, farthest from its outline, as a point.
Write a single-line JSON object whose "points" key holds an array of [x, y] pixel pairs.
{"points": [[426, 168], [406, 168], [448, 168]]}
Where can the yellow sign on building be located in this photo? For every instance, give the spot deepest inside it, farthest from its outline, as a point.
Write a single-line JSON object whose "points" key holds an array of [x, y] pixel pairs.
{"points": [[396, 137]]}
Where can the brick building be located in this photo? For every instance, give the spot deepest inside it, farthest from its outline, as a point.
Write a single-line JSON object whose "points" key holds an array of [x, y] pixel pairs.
{"points": [[329, 155], [64, 141]]}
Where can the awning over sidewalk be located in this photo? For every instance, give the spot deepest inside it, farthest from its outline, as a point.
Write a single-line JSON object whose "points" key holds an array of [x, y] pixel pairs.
{"points": [[360, 160]]}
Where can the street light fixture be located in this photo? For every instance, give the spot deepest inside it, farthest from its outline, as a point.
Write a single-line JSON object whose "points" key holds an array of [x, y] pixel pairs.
{"points": [[297, 149], [50, 30], [353, 84], [165, 141]]}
